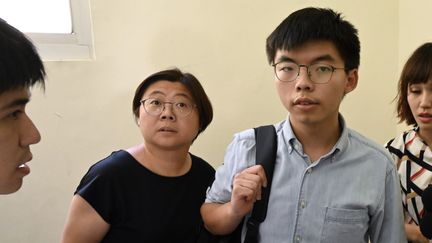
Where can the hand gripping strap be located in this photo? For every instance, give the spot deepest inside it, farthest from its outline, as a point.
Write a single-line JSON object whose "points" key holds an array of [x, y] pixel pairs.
{"points": [[266, 149]]}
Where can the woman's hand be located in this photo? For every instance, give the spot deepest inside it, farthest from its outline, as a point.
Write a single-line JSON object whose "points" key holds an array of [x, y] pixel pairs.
{"points": [[414, 235]]}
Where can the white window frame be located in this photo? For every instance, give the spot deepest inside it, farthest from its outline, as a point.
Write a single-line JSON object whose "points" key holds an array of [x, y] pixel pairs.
{"points": [[77, 45]]}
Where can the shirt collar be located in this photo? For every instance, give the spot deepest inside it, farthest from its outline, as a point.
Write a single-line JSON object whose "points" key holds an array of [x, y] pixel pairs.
{"points": [[288, 134], [343, 141], [291, 141]]}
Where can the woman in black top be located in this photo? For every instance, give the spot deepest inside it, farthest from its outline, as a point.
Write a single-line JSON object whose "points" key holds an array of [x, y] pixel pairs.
{"points": [[151, 192]]}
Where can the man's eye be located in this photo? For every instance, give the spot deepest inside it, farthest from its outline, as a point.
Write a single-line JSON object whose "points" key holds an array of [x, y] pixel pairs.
{"points": [[287, 69], [323, 69], [14, 115]]}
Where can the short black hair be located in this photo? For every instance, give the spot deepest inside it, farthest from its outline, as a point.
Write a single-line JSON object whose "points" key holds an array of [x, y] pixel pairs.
{"points": [[20, 64], [205, 109], [315, 24]]}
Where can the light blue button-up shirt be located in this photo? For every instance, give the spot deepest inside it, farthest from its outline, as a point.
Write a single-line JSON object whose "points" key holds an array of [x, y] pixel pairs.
{"points": [[350, 195]]}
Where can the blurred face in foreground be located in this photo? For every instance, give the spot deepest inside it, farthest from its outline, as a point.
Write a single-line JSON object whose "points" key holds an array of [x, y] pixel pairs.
{"points": [[17, 133]]}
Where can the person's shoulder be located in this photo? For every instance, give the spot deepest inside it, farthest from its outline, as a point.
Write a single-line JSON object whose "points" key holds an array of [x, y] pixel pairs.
{"points": [[201, 170], [249, 134], [112, 163], [399, 140], [242, 142], [368, 145], [105, 171], [245, 135], [202, 164]]}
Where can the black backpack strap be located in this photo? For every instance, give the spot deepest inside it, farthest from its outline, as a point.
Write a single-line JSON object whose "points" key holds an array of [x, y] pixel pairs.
{"points": [[266, 149]]}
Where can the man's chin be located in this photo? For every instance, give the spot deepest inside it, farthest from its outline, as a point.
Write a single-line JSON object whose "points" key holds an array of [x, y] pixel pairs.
{"points": [[9, 189]]}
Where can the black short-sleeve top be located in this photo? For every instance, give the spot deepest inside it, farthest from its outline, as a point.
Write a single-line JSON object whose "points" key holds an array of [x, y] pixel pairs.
{"points": [[141, 206]]}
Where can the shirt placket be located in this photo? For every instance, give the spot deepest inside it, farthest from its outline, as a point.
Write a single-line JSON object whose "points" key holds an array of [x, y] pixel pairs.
{"points": [[302, 201]]}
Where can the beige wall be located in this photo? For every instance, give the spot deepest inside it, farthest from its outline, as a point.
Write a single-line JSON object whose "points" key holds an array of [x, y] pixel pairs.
{"points": [[85, 111]]}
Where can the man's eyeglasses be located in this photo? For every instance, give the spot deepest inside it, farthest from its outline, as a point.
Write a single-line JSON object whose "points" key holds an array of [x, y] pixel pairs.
{"points": [[155, 107], [318, 72]]}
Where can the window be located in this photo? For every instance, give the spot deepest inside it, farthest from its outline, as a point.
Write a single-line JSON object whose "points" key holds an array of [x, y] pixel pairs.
{"points": [[60, 29]]}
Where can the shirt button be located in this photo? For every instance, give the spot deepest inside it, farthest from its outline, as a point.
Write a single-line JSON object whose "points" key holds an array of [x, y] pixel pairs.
{"points": [[309, 170], [298, 238], [303, 204]]}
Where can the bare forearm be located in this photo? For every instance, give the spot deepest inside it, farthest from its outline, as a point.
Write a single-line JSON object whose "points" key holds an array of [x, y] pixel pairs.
{"points": [[83, 223], [222, 219], [219, 218]]}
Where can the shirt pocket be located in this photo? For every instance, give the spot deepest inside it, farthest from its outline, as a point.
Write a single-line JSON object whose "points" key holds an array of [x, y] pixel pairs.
{"points": [[344, 225]]}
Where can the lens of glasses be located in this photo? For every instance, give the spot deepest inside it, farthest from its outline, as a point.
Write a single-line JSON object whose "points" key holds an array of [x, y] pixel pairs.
{"points": [[286, 71], [320, 73]]}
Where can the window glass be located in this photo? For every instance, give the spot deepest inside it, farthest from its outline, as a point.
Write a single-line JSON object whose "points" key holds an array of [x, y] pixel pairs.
{"points": [[60, 29], [41, 16]]}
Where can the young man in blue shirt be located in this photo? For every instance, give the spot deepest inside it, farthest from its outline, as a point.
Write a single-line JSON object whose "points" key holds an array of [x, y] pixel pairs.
{"points": [[330, 184]]}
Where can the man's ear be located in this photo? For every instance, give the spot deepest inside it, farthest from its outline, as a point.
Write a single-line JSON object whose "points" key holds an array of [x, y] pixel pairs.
{"points": [[352, 80]]}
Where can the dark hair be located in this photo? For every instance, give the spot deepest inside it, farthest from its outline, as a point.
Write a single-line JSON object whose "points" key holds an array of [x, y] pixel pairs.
{"points": [[201, 99], [20, 64], [418, 69], [314, 24]]}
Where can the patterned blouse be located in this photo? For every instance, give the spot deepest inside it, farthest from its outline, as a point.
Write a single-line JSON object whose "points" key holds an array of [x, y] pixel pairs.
{"points": [[414, 162]]}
